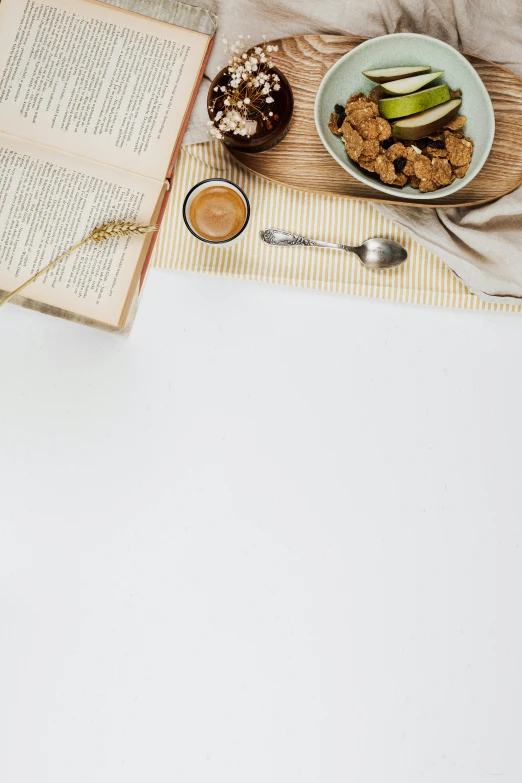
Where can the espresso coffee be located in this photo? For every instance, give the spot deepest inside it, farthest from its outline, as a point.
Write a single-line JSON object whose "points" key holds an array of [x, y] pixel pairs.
{"points": [[217, 213]]}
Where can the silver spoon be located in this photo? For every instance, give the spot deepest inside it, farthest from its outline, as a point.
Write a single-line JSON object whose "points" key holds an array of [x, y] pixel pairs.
{"points": [[374, 253]]}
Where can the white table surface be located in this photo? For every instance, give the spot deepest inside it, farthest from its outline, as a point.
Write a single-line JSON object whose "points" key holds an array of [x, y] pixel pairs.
{"points": [[274, 536]]}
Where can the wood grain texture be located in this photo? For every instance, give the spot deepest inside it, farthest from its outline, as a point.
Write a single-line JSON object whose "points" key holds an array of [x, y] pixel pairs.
{"points": [[301, 161]]}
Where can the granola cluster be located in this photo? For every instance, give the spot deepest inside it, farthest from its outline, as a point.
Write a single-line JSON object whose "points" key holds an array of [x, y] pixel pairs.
{"points": [[425, 164]]}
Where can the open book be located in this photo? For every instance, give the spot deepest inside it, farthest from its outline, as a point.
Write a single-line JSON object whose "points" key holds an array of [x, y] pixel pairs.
{"points": [[94, 100]]}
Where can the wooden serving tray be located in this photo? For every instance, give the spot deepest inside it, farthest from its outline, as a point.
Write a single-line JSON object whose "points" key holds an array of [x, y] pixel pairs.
{"points": [[300, 160]]}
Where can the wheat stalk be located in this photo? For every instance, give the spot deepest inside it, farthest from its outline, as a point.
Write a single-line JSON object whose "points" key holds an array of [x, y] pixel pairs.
{"points": [[114, 230], [102, 233]]}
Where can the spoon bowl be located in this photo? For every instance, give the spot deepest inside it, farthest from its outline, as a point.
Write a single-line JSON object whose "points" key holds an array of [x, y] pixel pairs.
{"points": [[380, 253]]}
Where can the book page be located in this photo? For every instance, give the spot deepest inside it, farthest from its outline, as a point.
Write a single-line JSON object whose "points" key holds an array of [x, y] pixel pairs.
{"points": [[88, 78], [50, 201]]}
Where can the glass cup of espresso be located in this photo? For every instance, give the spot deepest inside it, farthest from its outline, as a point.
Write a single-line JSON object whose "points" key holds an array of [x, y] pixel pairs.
{"points": [[216, 211]]}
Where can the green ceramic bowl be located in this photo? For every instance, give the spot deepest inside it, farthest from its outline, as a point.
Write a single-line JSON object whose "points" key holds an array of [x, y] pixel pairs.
{"points": [[345, 78]]}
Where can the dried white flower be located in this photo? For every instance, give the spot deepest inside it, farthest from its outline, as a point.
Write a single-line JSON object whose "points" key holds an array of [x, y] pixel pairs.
{"points": [[247, 93]]}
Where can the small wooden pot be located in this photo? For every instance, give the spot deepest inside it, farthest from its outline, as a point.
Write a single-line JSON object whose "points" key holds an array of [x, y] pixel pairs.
{"points": [[265, 139]]}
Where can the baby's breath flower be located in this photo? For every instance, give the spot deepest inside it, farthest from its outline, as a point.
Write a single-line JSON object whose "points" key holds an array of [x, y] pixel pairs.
{"points": [[247, 93]]}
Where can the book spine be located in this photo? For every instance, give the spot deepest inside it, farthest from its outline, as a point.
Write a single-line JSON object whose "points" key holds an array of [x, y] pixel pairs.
{"points": [[190, 107], [146, 263]]}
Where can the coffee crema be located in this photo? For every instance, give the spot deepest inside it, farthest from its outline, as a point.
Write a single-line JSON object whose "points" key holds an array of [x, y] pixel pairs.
{"points": [[217, 213]]}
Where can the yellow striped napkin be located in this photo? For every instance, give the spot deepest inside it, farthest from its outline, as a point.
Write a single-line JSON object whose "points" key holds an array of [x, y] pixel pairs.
{"points": [[424, 279]]}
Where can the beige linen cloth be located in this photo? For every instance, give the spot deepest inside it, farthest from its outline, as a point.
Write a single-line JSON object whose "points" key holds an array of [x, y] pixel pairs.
{"points": [[482, 245]]}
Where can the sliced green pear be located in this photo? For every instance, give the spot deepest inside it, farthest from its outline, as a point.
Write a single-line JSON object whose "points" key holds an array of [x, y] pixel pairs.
{"points": [[389, 74], [403, 105], [426, 122], [412, 83]]}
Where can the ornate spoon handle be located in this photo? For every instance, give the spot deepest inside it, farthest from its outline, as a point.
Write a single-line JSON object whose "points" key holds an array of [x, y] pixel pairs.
{"points": [[280, 238]]}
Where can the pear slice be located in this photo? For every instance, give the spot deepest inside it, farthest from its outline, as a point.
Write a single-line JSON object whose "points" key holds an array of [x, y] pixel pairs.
{"points": [[411, 84], [389, 74], [404, 105], [426, 122]]}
